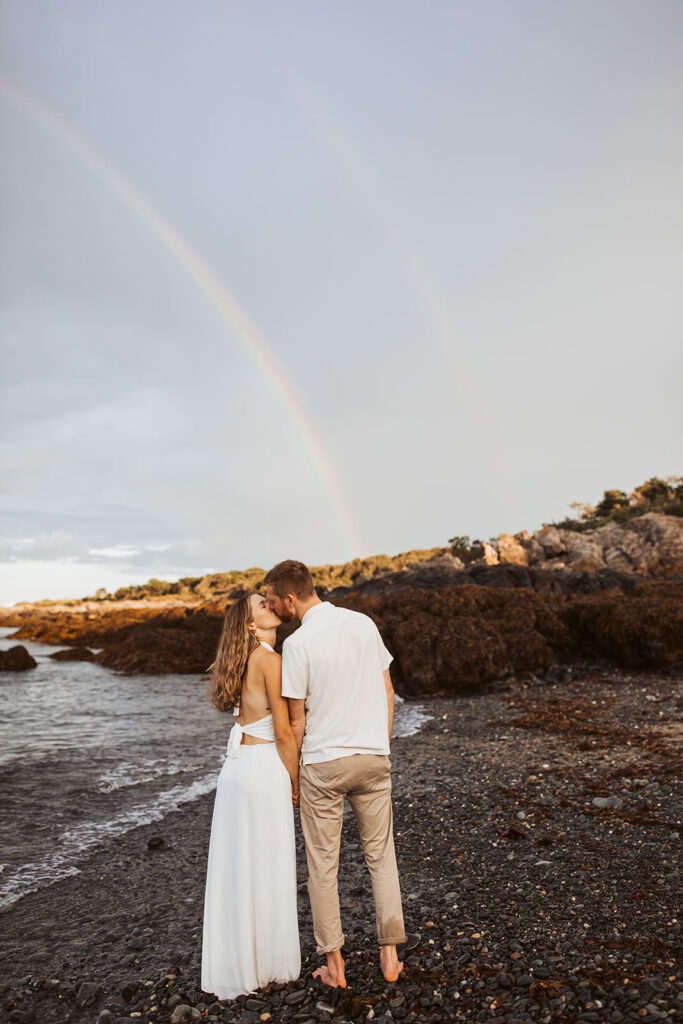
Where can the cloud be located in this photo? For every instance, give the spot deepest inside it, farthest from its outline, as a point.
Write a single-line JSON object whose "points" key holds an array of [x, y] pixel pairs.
{"points": [[55, 545], [120, 551]]}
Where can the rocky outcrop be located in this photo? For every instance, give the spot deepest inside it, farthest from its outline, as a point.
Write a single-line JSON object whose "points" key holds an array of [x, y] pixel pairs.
{"points": [[455, 640], [86, 623], [649, 545], [165, 643], [74, 654], [504, 576], [641, 630], [16, 659], [511, 550], [532, 600]]}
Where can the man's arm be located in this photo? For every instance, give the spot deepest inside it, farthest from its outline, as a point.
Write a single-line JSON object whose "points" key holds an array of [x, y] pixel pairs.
{"points": [[295, 688], [297, 717], [390, 700]]}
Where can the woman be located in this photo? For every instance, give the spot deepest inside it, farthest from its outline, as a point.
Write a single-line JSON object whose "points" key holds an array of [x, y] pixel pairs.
{"points": [[251, 932]]}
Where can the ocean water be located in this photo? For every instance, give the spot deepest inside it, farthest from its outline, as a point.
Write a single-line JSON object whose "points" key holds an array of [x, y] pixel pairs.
{"points": [[87, 754]]}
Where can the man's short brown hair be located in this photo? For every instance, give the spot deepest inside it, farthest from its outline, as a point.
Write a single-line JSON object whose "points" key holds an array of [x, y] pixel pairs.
{"points": [[290, 577]]}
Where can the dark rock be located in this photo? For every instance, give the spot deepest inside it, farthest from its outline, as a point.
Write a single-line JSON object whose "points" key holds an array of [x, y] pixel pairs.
{"points": [[155, 843], [74, 654], [296, 997], [449, 641], [184, 1013], [16, 659], [88, 993], [129, 990]]}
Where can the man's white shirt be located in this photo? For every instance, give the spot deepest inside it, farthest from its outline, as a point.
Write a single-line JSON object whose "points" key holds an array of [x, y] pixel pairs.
{"points": [[335, 663]]}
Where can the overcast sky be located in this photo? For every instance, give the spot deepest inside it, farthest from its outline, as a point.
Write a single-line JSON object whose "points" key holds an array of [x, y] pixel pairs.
{"points": [[457, 228]]}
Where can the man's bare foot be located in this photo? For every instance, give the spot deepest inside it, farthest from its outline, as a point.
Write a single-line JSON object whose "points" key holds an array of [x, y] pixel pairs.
{"points": [[390, 963], [333, 974]]}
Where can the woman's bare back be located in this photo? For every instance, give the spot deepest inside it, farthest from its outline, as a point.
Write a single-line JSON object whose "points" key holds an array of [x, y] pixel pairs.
{"points": [[254, 703]]}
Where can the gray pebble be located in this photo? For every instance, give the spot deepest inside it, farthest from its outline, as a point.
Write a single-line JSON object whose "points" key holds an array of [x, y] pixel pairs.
{"points": [[296, 997], [607, 801], [184, 1013]]}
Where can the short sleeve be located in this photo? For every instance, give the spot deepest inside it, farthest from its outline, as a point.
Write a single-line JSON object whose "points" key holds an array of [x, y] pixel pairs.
{"points": [[294, 671], [384, 656]]}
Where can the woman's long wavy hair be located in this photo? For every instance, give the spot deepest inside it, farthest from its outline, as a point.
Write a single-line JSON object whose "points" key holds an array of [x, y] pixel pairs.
{"points": [[234, 647]]}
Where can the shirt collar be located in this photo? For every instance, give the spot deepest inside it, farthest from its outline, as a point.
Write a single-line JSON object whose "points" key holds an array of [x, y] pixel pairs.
{"points": [[314, 610]]}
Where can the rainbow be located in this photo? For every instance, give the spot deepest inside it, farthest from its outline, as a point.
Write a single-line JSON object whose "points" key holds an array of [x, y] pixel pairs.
{"points": [[240, 324]]}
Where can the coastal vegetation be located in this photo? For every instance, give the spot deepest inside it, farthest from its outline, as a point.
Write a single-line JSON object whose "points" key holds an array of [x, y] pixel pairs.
{"points": [[455, 618], [664, 496]]}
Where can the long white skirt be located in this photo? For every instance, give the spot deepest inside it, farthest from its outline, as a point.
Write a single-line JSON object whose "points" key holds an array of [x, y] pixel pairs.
{"points": [[251, 930]]}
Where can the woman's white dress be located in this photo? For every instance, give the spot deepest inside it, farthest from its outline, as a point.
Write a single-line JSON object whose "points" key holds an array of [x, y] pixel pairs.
{"points": [[251, 931]]}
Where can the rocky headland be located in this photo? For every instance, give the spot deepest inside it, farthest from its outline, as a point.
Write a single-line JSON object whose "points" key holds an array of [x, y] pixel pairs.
{"points": [[528, 603]]}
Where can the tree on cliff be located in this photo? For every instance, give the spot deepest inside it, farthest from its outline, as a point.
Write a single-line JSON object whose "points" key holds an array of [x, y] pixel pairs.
{"points": [[655, 495]]}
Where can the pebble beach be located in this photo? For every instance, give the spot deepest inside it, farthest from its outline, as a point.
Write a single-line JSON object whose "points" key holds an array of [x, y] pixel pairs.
{"points": [[537, 830]]}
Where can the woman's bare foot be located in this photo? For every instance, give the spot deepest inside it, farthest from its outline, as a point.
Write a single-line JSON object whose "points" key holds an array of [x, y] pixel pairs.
{"points": [[390, 963], [333, 974]]}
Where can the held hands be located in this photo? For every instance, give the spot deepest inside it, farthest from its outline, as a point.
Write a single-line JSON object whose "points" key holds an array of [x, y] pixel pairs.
{"points": [[295, 796]]}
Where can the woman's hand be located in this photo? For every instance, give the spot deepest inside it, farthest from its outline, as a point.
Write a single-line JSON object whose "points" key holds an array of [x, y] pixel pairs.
{"points": [[295, 796]]}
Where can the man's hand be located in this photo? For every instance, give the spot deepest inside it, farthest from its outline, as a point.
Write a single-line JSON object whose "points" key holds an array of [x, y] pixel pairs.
{"points": [[295, 796]]}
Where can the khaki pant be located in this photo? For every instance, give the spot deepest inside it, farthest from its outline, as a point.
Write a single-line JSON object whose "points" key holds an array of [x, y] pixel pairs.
{"points": [[366, 781]]}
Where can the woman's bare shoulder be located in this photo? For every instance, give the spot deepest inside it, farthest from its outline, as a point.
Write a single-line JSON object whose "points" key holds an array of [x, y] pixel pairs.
{"points": [[260, 655]]}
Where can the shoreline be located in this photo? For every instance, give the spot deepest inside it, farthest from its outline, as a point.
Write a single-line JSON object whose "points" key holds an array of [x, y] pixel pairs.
{"points": [[524, 898]]}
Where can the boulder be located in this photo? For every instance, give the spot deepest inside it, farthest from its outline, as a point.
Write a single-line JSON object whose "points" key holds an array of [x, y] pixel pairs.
{"points": [[550, 539], [535, 551], [651, 544], [510, 549], [583, 550], [16, 659], [490, 554], [74, 654]]}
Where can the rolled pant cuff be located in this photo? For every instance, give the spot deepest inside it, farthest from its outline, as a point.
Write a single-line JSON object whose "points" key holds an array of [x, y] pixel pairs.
{"points": [[331, 947], [394, 941]]}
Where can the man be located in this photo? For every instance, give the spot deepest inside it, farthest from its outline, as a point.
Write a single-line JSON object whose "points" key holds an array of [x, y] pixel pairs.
{"points": [[335, 674]]}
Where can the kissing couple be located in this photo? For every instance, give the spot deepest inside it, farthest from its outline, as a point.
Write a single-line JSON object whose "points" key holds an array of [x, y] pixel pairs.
{"points": [[311, 728]]}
